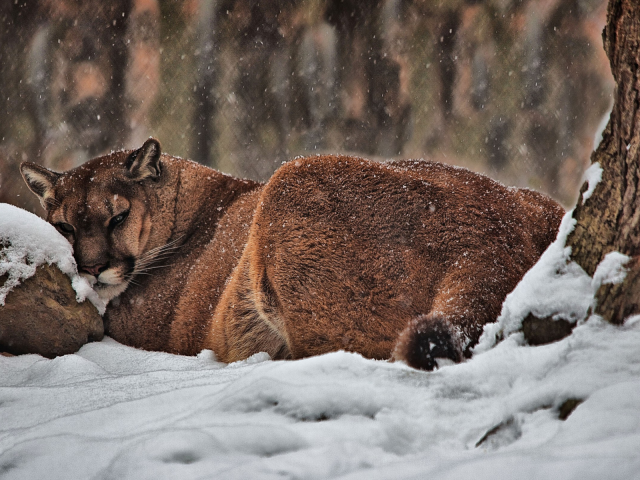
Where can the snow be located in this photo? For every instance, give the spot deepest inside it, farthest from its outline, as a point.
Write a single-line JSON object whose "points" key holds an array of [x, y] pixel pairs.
{"points": [[604, 121], [111, 411], [611, 269], [592, 176], [26, 242], [554, 287]]}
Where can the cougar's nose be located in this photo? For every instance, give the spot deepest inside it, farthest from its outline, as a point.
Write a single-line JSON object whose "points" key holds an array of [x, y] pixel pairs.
{"points": [[94, 270]]}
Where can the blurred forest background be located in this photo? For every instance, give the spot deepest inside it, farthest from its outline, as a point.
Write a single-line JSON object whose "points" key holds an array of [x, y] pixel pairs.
{"points": [[516, 89]]}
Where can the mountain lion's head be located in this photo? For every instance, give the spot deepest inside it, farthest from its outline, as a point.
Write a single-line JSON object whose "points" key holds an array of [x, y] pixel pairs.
{"points": [[104, 208]]}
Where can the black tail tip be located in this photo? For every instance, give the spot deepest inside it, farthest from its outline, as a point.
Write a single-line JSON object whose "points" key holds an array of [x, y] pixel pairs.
{"points": [[426, 338]]}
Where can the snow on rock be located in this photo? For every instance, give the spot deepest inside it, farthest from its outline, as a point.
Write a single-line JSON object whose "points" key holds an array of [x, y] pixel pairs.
{"points": [[555, 287], [26, 242]]}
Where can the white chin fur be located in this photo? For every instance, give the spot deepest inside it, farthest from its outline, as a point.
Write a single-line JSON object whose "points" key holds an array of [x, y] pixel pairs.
{"points": [[109, 292], [111, 276], [108, 285]]}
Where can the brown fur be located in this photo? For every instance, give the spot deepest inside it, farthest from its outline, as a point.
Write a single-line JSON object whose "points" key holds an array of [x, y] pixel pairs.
{"points": [[334, 252]]}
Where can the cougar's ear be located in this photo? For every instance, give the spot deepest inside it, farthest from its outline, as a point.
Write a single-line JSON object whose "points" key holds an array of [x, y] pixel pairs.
{"points": [[145, 162], [40, 181]]}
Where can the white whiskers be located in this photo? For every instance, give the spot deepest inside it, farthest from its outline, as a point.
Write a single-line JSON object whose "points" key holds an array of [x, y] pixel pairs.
{"points": [[145, 263]]}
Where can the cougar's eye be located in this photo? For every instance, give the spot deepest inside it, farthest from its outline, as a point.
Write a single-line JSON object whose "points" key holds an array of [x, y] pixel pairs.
{"points": [[64, 227], [118, 219]]}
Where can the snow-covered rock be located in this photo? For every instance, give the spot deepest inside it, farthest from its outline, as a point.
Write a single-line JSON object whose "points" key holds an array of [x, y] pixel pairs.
{"points": [[42, 308], [41, 315]]}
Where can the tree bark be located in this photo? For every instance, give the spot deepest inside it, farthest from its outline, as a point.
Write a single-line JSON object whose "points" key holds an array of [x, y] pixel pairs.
{"points": [[608, 220]]}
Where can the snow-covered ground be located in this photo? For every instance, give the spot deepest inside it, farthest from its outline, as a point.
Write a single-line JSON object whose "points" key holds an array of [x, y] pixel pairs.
{"points": [[111, 411]]}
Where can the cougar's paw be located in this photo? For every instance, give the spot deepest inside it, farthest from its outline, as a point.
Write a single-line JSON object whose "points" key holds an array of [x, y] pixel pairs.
{"points": [[426, 338]]}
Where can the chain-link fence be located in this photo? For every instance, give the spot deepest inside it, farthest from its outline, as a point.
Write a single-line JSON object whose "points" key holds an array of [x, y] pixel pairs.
{"points": [[513, 88]]}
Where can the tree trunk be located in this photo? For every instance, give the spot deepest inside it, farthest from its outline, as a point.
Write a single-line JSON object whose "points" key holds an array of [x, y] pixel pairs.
{"points": [[205, 108], [608, 219]]}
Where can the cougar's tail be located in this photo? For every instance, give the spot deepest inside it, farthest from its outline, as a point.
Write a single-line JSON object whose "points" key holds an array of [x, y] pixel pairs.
{"points": [[426, 338]]}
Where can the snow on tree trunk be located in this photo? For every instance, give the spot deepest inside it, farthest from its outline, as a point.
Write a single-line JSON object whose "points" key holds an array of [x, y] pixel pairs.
{"points": [[608, 216]]}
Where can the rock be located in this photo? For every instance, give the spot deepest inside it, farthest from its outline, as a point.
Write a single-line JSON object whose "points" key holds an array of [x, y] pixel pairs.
{"points": [[41, 315], [539, 331], [510, 429], [501, 435], [567, 407]]}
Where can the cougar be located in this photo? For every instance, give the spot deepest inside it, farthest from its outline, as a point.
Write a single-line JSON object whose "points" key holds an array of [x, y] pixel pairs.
{"points": [[400, 260]]}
